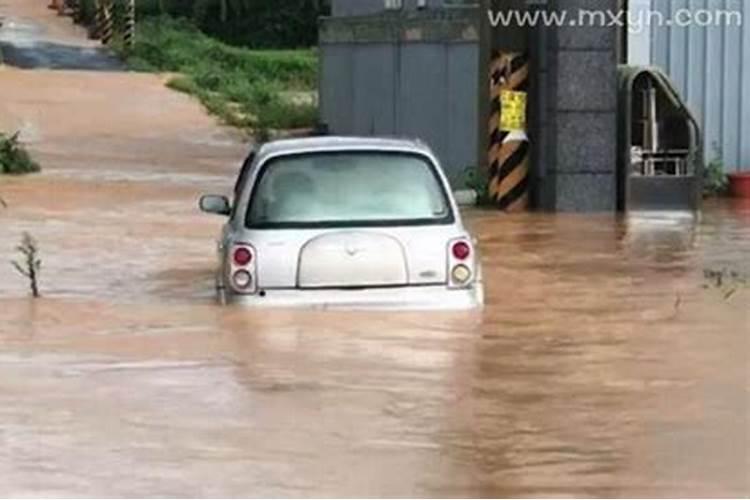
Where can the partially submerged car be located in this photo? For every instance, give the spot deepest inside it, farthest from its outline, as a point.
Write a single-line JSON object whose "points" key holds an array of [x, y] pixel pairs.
{"points": [[345, 222]]}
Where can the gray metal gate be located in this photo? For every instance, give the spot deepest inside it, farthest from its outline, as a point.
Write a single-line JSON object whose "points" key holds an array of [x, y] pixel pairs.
{"points": [[405, 75]]}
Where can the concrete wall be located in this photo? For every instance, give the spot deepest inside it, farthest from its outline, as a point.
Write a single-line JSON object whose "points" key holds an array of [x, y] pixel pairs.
{"points": [[574, 117], [711, 68], [411, 76]]}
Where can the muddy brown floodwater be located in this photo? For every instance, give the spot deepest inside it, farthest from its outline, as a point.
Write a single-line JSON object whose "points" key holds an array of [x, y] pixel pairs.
{"points": [[602, 365]]}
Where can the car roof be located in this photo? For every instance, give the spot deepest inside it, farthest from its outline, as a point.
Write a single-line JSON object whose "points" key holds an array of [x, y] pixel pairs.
{"points": [[336, 143]]}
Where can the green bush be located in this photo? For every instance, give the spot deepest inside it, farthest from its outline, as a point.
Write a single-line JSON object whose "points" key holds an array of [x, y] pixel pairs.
{"points": [[14, 159], [476, 179], [246, 88], [167, 44], [714, 178], [259, 24], [248, 23]]}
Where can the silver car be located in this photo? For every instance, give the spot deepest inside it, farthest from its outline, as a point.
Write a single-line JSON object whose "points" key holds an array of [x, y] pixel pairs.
{"points": [[345, 223]]}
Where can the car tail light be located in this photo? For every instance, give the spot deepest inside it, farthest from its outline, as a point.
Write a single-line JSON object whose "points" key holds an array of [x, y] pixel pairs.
{"points": [[242, 269], [461, 274], [242, 256], [242, 279], [461, 265], [461, 250]]}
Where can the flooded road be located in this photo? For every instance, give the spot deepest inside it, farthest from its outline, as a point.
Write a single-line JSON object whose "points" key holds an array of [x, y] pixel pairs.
{"points": [[604, 364]]}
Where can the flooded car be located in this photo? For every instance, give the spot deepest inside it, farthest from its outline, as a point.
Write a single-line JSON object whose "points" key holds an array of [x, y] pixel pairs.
{"points": [[345, 222]]}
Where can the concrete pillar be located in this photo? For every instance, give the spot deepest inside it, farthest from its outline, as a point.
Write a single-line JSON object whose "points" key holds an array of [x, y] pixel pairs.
{"points": [[574, 122]]}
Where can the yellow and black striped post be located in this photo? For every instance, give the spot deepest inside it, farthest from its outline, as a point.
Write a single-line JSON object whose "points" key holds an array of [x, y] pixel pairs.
{"points": [[104, 21], [128, 36], [509, 145], [95, 27]]}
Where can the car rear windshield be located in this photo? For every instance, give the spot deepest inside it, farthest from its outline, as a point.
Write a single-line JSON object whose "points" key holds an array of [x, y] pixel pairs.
{"points": [[348, 189]]}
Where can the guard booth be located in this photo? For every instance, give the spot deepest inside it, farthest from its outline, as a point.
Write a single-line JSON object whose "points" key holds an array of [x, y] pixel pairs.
{"points": [[660, 159]]}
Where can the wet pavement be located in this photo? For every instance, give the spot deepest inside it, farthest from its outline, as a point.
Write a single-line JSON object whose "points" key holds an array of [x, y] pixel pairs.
{"points": [[605, 363]]}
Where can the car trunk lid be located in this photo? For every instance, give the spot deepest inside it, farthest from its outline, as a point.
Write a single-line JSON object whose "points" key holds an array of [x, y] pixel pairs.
{"points": [[352, 259], [387, 257]]}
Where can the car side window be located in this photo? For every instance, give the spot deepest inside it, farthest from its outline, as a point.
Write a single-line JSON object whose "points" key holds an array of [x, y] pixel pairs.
{"points": [[247, 166], [244, 173]]}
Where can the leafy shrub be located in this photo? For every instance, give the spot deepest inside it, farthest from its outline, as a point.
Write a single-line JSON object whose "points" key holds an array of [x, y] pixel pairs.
{"points": [[14, 159], [477, 179], [714, 178], [248, 23]]}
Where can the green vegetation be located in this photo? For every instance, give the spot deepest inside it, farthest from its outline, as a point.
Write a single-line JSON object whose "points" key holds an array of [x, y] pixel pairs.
{"points": [[258, 90], [247, 23], [14, 159], [212, 47], [714, 178], [477, 179]]}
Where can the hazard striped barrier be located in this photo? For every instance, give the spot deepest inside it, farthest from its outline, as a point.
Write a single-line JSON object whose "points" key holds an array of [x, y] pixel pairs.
{"points": [[509, 145], [104, 21], [128, 36]]}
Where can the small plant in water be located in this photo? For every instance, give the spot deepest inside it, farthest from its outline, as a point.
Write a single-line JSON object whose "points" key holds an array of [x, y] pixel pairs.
{"points": [[727, 281], [14, 159], [31, 265]]}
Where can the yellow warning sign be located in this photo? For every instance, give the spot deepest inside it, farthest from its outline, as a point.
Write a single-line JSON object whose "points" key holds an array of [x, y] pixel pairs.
{"points": [[513, 113]]}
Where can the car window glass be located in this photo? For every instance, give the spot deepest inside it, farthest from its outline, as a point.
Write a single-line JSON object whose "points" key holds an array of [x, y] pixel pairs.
{"points": [[244, 173], [348, 188]]}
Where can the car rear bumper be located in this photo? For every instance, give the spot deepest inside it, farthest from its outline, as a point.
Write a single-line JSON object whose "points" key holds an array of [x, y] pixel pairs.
{"points": [[401, 298]]}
